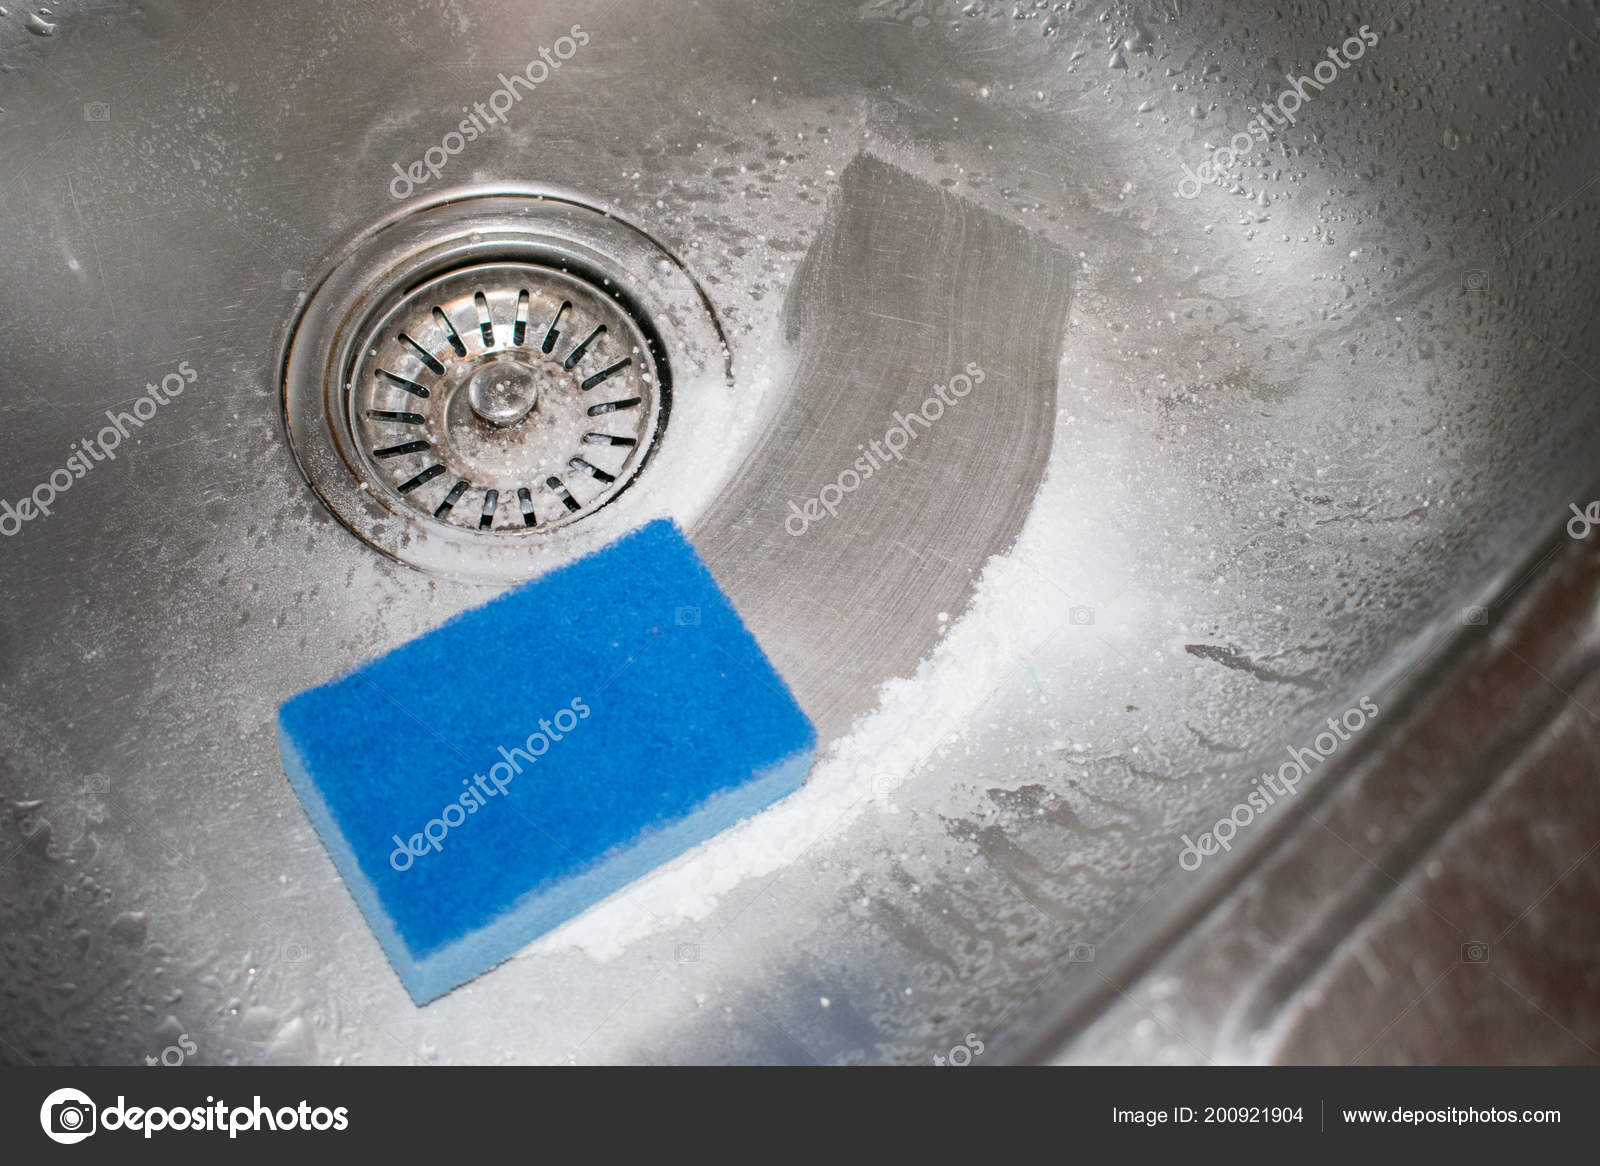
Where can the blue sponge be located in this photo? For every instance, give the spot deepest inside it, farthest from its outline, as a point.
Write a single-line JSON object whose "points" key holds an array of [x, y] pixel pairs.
{"points": [[498, 775]]}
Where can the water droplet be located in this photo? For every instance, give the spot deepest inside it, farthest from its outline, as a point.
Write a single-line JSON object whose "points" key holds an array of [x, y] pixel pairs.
{"points": [[1452, 140], [131, 928], [39, 25]]}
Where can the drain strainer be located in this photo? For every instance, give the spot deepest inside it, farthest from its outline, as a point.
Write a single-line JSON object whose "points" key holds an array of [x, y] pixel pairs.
{"points": [[505, 395], [471, 381]]}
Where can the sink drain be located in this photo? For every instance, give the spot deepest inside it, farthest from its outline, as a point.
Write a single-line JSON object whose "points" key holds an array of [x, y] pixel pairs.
{"points": [[470, 381], [506, 396]]}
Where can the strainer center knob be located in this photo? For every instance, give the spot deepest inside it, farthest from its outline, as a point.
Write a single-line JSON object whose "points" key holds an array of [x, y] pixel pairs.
{"points": [[503, 392]]}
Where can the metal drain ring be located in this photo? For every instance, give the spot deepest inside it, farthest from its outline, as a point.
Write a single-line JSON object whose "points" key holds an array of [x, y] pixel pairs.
{"points": [[472, 380]]}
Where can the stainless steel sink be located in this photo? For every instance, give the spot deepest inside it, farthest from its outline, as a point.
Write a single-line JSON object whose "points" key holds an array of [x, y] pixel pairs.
{"points": [[1233, 457]]}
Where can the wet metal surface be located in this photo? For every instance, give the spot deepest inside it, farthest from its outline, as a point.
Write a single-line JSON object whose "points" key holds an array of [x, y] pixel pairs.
{"points": [[902, 374], [1436, 908], [1238, 461]]}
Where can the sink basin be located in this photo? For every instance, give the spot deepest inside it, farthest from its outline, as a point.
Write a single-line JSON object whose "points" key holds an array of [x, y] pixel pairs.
{"points": [[1252, 432]]}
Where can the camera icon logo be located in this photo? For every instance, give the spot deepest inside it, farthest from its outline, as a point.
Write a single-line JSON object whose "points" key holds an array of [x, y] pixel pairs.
{"points": [[686, 953], [1475, 952], [961, 1055], [1475, 617], [68, 1116], [96, 111], [1080, 616], [1080, 953], [688, 617]]}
